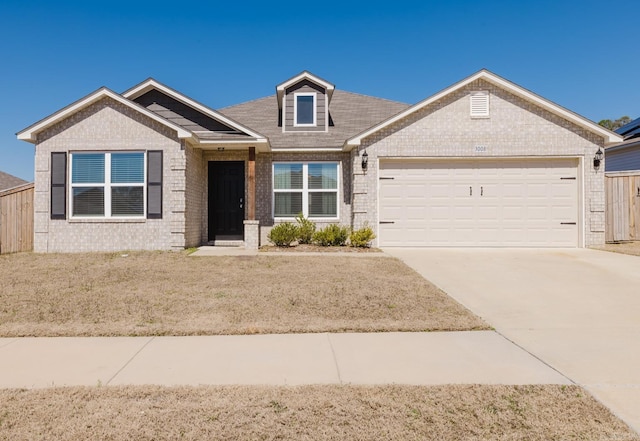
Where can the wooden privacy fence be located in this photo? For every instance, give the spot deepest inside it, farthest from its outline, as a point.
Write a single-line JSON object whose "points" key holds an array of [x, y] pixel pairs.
{"points": [[623, 207], [16, 219]]}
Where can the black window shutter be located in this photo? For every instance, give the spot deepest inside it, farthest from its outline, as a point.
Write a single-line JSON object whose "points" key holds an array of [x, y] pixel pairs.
{"points": [[154, 184], [58, 185]]}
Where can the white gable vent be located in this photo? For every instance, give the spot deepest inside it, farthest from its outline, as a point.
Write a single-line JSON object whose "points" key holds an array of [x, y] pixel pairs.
{"points": [[479, 104]]}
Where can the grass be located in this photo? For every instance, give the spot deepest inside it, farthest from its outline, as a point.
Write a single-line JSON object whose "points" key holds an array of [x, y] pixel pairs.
{"points": [[632, 248], [308, 413], [163, 293]]}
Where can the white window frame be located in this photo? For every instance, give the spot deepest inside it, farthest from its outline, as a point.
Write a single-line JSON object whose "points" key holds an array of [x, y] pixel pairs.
{"points": [[305, 190], [295, 109], [107, 185], [481, 94]]}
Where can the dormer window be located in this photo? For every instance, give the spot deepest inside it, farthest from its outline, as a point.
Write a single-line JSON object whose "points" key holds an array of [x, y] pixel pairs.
{"points": [[303, 104], [304, 109]]}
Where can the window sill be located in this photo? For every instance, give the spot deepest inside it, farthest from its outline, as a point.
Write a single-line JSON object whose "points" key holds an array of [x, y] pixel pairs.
{"points": [[313, 219], [112, 220]]}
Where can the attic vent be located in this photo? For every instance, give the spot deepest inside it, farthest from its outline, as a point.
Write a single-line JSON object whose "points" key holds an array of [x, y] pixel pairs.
{"points": [[479, 104]]}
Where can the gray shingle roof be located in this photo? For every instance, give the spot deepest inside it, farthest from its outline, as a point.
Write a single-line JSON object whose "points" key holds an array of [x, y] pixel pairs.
{"points": [[9, 181], [351, 114]]}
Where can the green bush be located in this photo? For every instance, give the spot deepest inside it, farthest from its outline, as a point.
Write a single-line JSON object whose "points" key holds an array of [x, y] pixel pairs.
{"points": [[283, 234], [362, 238], [306, 228], [331, 235]]}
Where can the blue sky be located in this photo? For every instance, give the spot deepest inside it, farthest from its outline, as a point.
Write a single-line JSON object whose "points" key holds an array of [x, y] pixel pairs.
{"points": [[575, 53]]}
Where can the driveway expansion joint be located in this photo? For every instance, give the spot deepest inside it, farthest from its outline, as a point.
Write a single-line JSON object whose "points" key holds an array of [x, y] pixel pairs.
{"points": [[553, 368]]}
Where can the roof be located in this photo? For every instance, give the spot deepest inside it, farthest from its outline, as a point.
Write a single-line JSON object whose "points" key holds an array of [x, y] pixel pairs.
{"points": [[30, 133], [8, 181], [629, 143], [17, 189], [630, 130], [609, 136], [150, 84], [351, 113]]}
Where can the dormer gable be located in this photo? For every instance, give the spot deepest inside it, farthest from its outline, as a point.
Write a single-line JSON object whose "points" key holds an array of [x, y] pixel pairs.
{"points": [[303, 103]]}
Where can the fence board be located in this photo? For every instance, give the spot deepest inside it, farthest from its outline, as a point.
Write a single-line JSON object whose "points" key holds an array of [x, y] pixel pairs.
{"points": [[16, 219], [622, 221]]}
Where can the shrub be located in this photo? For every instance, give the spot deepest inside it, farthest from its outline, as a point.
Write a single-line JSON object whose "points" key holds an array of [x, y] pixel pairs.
{"points": [[362, 238], [306, 228], [331, 235], [283, 234]]}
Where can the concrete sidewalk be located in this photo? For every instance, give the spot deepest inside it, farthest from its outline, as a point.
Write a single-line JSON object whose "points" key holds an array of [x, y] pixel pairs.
{"points": [[291, 359]]}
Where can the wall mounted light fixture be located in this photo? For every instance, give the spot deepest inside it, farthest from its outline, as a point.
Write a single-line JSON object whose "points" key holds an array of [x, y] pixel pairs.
{"points": [[365, 160], [598, 158]]}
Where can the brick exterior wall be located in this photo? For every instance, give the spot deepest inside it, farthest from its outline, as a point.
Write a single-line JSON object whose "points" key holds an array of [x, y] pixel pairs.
{"points": [[515, 128], [195, 195], [110, 126]]}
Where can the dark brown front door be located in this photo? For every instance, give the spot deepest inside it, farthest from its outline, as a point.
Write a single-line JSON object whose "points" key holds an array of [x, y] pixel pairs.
{"points": [[226, 200]]}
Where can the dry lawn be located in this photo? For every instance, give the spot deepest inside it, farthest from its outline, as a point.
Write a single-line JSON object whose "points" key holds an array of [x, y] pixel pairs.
{"points": [[162, 293], [308, 413], [632, 248]]}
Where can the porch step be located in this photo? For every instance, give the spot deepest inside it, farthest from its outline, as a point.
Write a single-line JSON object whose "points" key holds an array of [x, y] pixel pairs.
{"points": [[228, 243]]}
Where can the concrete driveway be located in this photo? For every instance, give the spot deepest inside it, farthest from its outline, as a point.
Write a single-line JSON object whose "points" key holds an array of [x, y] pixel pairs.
{"points": [[577, 310]]}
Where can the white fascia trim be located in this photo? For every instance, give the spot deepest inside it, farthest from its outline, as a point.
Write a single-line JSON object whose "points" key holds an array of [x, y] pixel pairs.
{"points": [[622, 173], [298, 150], [150, 84], [280, 88], [610, 137], [30, 133], [232, 141]]}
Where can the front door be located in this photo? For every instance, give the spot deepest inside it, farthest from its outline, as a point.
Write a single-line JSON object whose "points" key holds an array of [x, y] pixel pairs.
{"points": [[226, 200]]}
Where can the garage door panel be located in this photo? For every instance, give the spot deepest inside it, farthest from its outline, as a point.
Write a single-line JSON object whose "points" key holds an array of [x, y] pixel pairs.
{"points": [[479, 203]]}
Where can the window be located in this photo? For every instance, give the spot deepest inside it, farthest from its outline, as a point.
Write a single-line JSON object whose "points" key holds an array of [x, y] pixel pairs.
{"points": [[307, 188], [304, 109], [479, 104], [108, 184]]}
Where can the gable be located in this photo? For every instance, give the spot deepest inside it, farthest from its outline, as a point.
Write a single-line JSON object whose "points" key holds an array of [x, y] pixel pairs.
{"points": [[31, 133], [106, 124], [606, 136], [512, 124], [181, 114], [211, 126]]}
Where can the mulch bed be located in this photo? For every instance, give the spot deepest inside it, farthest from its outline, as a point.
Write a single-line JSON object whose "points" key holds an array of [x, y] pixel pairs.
{"points": [[306, 248]]}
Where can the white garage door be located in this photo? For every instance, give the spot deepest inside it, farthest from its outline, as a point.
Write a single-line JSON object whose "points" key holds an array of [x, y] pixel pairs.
{"points": [[529, 203]]}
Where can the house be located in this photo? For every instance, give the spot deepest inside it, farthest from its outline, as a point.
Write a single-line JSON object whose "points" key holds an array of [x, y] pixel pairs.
{"points": [[8, 181], [622, 185], [625, 157], [484, 162]]}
